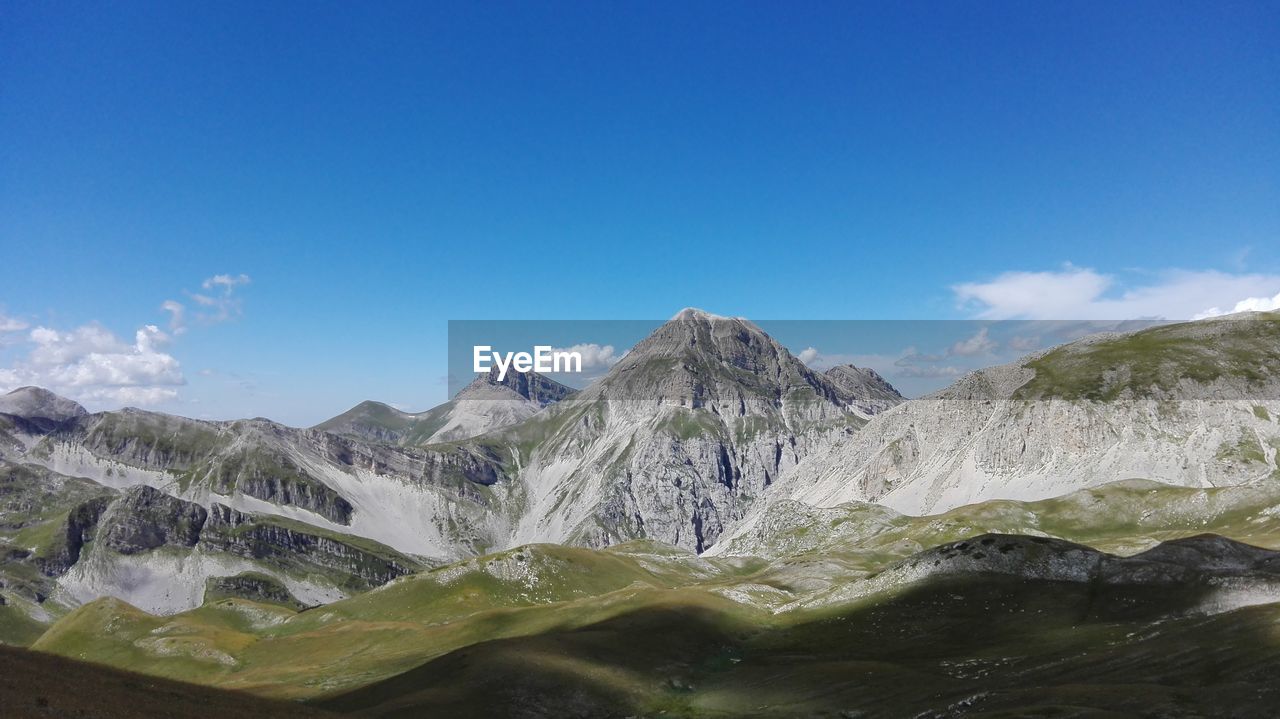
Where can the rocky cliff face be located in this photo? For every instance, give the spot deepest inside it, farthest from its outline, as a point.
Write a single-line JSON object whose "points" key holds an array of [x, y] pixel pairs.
{"points": [[289, 546], [162, 554], [440, 502]]}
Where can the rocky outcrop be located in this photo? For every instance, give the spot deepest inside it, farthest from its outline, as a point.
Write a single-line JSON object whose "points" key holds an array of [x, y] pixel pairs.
{"points": [[288, 547], [144, 518], [272, 476], [252, 586], [77, 527]]}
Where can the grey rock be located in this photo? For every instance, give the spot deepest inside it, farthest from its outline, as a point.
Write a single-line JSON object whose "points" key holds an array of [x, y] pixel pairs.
{"points": [[144, 518], [276, 544], [251, 586]]}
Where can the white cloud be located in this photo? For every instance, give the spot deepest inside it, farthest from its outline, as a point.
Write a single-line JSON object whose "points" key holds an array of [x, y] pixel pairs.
{"points": [[1082, 293], [594, 356], [92, 364], [823, 361], [1249, 304], [130, 396], [979, 344], [927, 371], [177, 316], [225, 281], [11, 324], [220, 305], [1024, 344]]}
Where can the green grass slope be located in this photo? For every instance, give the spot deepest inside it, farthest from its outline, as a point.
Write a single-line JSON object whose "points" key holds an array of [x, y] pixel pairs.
{"points": [[1243, 351], [971, 646], [275, 651], [37, 685]]}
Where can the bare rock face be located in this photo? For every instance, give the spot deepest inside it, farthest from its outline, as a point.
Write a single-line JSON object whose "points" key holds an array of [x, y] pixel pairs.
{"points": [[278, 545]]}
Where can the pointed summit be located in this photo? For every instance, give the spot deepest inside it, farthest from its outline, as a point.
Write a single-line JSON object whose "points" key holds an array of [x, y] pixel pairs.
{"points": [[697, 359], [693, 313], [530, 386]]}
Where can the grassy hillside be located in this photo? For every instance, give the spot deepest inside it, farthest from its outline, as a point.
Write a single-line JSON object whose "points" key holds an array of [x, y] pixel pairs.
{"points": [[276, 651], [1240, 353], [1122, 517], [647, 630], [997, 646], [37, 685]]}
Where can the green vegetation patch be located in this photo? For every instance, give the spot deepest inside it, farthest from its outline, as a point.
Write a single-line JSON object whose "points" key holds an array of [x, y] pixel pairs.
{"points": [[1151, 363]]}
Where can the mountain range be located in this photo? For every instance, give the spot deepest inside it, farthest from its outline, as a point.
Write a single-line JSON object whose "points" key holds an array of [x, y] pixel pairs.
{"points": [[710, 481]]}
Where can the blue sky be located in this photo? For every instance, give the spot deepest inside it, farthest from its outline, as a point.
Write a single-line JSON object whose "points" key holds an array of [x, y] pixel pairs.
{"points": [[375, 170]]}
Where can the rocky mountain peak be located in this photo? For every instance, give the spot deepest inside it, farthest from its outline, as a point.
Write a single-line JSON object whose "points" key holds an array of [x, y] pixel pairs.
{"points": [[870, 392], [697, 358], [38, 403], [530, 386]]}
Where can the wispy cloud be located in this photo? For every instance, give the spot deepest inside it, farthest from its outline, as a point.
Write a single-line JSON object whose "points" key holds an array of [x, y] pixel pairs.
{"points": [[218, 303], [177, 316], [979, 344], [11, 324], [1082, 293]]}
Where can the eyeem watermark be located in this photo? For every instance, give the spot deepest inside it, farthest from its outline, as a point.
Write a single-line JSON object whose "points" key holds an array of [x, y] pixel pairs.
{"points": [[543, 359]]}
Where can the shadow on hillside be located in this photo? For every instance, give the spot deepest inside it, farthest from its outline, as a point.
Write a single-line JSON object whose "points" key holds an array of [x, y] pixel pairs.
{"points": [[979, 643]]}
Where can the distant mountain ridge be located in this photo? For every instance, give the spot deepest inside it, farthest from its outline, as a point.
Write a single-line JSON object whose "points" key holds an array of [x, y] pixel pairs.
{"points": [[484, 405]]}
